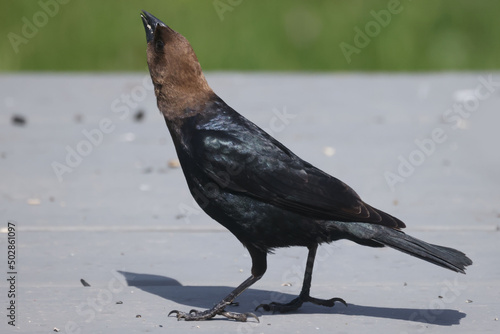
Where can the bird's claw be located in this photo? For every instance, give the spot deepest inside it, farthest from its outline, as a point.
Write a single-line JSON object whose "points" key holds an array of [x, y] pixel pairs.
{"points": [[281, 308], [242, 317], [178, 314], [297, 302], [192, 315], [195, 315], [326, 302], [267, 307]]}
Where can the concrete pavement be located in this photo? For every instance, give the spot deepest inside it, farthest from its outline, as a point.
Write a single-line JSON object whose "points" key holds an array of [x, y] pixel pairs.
{"points": [[90, 183]]}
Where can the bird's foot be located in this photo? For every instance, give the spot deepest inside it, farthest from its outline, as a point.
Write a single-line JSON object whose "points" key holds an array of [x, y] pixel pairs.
{"points": [[195, 315], [297, 302]]}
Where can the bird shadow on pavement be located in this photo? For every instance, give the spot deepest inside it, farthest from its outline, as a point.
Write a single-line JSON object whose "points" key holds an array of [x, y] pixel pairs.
{"points": [[204, 297]]}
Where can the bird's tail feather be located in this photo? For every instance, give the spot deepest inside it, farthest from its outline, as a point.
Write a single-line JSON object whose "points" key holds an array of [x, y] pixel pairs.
{"points": [[442, 256]]}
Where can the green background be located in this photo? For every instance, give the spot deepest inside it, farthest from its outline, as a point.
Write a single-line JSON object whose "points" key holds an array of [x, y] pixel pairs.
{"points": [[279, 35]]}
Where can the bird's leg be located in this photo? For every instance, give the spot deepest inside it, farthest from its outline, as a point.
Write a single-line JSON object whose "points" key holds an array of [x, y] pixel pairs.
{"points": [[194, 315], [304, 293], [259, 265]]}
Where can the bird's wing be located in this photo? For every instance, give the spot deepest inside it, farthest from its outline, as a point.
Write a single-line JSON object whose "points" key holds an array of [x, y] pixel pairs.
{"points": [[248, 160]]}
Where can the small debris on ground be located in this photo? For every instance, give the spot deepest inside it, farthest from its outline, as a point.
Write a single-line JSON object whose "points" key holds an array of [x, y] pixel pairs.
{"points": [[34, 201], [468, 301], [84, 282], [138, 316], [379, 119], [119, 302], [128, 137], [328, 151], [139, 116], [147, 170], [144, 187], [18, 120], [78, 118], [174, 163], [56, 329], [286, 284]]}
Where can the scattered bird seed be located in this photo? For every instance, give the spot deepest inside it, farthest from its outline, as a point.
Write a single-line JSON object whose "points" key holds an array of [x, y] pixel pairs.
{"points": [[174, 163], [328, 151], [34, 201]]}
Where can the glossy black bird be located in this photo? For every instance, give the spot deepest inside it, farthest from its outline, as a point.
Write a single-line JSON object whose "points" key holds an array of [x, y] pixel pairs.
{"points": [[256, 187]]}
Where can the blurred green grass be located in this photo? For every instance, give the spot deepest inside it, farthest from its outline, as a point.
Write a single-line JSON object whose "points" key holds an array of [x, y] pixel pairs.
{"points": [[282, 35]]}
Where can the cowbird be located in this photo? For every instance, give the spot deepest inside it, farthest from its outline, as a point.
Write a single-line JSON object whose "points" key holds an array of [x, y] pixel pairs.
{"points": [[256, 187]]}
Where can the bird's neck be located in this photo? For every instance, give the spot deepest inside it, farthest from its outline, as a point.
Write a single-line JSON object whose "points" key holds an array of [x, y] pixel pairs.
{"points": [[179, 101]]}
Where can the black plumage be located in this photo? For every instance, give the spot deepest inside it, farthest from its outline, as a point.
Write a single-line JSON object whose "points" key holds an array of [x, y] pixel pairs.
{"points": [[257, 188]]}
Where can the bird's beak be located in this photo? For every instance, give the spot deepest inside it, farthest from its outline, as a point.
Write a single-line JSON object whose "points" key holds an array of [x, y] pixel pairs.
{"points": [[150, 22]]}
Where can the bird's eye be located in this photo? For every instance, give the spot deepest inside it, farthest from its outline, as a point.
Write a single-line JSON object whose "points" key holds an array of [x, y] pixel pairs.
{"points": [[159, 45]]}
